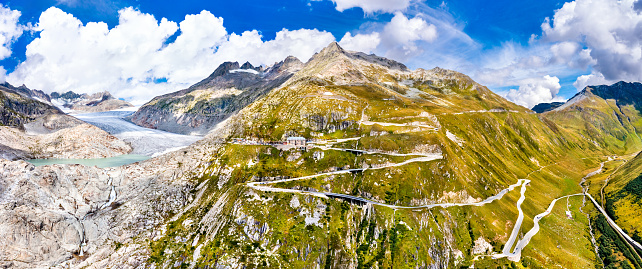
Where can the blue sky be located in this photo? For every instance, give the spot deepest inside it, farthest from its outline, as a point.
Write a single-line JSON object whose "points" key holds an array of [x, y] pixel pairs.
{"points": [[528, 51]]}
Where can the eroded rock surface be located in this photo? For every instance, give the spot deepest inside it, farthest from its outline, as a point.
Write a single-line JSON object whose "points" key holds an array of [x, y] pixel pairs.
{"points": [[73, 215]]}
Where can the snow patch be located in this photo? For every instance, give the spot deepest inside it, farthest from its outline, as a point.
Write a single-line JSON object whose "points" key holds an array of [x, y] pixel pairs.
{"points": [[251, 71]]}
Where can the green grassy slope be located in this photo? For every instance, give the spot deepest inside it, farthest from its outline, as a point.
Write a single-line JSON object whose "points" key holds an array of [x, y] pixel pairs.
{"points": [[487, 144]]}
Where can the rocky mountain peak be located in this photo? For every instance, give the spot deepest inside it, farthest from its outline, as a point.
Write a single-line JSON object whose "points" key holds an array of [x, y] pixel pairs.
{"points": [[225, 68], [333, 48], [291, 64], [103, 96], [247, 65], [335, 56], [331, 51], [623, 93], [24, 91], [291, 59]]}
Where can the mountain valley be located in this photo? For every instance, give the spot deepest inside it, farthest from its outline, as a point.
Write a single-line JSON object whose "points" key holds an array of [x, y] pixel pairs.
{"points": [[398, 168]]}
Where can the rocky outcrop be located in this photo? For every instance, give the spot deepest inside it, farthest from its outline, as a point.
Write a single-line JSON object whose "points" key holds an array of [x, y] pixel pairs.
{"points": [[17, 107], [77, 216], [199, 108], [97, 102], [83, 141]]}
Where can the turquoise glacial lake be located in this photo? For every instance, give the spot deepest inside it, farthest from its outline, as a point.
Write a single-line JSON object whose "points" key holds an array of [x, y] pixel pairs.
{"points": [[99, 162]]}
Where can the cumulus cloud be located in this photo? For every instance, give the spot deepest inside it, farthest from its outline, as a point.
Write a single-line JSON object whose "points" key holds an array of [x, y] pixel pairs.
{"points": [[611, 31], [600, 36], [302, 43], [3, 74], [513, 63], [361, 42], [135, 59], [370, 6], [572, 54], [401, 33], [10, 30], [536, 90], [404, 30], [399, 39], [591, 80]]}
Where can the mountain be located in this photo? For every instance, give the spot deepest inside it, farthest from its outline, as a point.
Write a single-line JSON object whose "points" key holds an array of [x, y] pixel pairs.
{"points": [[401, 169], [608, 116], [19, 107], [97, 102], [543, 107], [23, 90], [31, 128], [197, 109], [384, 114], [337, 88]]}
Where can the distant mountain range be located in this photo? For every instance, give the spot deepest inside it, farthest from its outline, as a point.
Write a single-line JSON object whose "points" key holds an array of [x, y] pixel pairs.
{"points": [[543, 107], [31, 127], [97, 102]]}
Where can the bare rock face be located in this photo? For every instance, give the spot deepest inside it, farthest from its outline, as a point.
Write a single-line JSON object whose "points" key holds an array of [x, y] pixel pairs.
{"points": [[83, 141], [18, 107], [199, 108], [74, 216]]}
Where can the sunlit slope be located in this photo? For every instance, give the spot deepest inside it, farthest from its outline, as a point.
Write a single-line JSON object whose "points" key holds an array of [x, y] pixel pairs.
{"points": [[235, 225], [600, 115], [336, 89], [486, 144], [623, 197]]}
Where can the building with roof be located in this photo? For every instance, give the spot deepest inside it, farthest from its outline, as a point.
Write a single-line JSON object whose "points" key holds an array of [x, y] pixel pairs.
{"points": [[296, 141]]}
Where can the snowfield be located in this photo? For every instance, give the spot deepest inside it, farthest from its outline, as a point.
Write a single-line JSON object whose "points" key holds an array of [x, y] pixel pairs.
{"points": [[145, 141]]}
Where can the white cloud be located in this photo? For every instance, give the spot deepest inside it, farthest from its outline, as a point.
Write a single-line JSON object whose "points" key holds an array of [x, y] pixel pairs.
{"points": [[572, 54], [591, 79], [513, 63], [3, 74], [361, 42], [536, 90], [401, 39], [601, 36], [127, 59], [400, 34], [611, 31], [403, 30], [370, 6], [10, 30]]}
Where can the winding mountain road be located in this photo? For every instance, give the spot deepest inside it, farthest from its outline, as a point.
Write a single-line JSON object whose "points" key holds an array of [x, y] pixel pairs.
{"points": [[508, 251], [518, 223]]}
